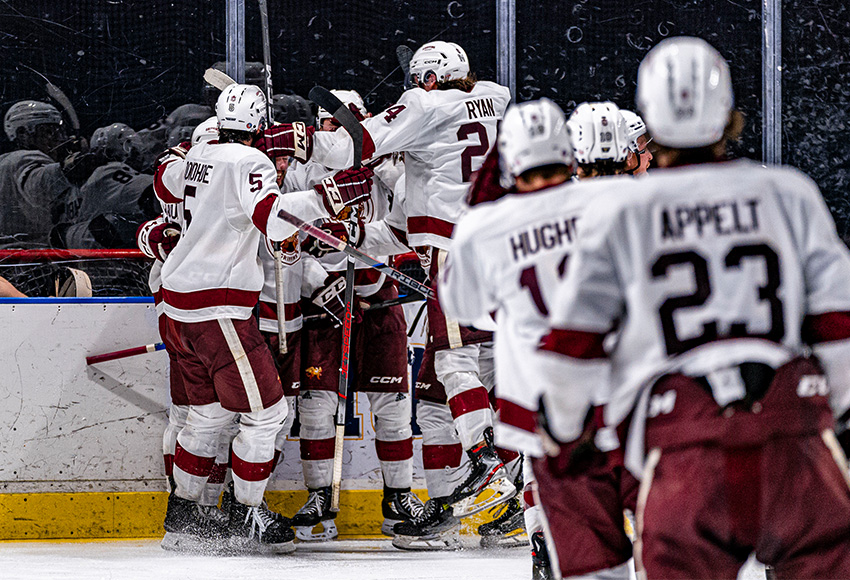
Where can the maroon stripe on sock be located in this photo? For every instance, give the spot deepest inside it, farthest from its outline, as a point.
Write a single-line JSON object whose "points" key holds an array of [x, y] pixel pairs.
{"points": [[317, 449], [251, 471], [440, 456], [469, 401], [394, 450], [168, 460], [506, 455], [193, 464]]}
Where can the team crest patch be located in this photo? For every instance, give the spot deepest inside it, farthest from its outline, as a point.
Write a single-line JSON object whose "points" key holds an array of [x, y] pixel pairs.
{"points": [[314, 372]]}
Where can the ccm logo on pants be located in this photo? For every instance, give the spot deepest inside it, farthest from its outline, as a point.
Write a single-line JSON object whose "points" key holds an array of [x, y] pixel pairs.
{"points": [[385, 380]]}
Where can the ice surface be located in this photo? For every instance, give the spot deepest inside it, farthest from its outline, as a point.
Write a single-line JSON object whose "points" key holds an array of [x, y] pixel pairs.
{"points": [[338, 560]]}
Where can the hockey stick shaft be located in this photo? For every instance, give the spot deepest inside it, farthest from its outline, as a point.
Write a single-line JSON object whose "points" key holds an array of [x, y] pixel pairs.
{"points": [[404, 54], [278, 255], [136, 350], [365, 306], [343, 246], [328, 101]]}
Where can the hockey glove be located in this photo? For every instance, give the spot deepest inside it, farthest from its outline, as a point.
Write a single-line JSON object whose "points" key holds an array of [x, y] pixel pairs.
{"points": [[176, 152], [330, 297], [345, 189], [351, 232], [485, 182], [287, 140], [156, 238]]}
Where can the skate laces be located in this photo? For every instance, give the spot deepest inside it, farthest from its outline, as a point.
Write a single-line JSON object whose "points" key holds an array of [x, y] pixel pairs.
{"points": [[261, 520], [427, 513], [313, 504], [212, 512], [412, 504]]}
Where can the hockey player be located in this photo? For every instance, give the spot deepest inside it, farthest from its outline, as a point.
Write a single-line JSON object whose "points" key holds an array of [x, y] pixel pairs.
{"points": [[445, 127], [116, 198], [508, 256], [210, 283], [717, 278], [639, 154], [39, 182], [378, 352]]}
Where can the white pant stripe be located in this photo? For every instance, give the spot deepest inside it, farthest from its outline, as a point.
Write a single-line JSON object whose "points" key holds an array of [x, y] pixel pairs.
{"points": [[652, 460], [452, 326], [252, 390]]}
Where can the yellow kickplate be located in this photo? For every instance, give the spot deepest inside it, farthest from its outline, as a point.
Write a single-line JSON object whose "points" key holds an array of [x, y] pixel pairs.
{"points": [[54, 516]]}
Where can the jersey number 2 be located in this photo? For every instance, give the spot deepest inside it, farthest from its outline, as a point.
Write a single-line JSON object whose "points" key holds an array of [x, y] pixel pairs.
{"points": [[472, 150], [710, 332]]}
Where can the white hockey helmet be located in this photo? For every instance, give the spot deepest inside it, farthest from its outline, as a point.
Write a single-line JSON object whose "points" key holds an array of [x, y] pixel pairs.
{"points": [[347, 98], [206, 131], [241, 108], [445, 60], [598, 133], [533, 134], [635, 127], [115, 142], [27, 115], [684, 92]]}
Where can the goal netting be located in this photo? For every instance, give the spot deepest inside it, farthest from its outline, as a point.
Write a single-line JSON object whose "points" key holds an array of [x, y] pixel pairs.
{"points": [[112, 272]]}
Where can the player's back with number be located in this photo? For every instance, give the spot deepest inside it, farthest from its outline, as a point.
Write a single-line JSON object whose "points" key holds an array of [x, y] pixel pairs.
{"points": [[731, 251]]}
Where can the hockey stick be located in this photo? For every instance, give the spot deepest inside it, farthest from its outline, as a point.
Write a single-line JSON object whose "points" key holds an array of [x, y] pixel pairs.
{"points": [[278, 255], [57, 95], [136, 350], [366, 306], [343, 246], [325, 99], [404, 55], [218, 79]]}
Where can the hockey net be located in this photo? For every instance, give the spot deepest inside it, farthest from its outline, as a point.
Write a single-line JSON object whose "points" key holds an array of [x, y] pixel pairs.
{"points": [[40, 273]]}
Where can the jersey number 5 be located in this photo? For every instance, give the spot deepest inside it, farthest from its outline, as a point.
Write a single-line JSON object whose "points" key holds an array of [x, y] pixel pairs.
{"points": [[710, 332], [472, 150], [188, 191]]}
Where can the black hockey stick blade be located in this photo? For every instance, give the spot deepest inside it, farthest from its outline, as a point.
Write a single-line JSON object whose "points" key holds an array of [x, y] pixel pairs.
{"points": [[404, 55], [326, 99], [407, 299]]}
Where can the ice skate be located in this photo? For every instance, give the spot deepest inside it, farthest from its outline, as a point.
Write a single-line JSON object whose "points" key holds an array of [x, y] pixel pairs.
{"points": [[487, 485], [316, 511], [436, 529], [508, 529], [189, 529], [259, 530], [541, 568], [399, 506]]}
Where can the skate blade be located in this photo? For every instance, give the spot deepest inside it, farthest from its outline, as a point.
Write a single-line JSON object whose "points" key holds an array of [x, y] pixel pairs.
{"points": [[328, 532], [387, 527], [496, 492], [444, 541], [252, 546], [514, 539]]}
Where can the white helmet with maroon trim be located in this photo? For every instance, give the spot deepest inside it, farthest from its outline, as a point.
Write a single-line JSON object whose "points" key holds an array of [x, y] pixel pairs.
{"points": [[241, 108], [598, 133], [206, 131], [635, 127], [684, 92], [347, 98], [533, 134], [444, 60]]}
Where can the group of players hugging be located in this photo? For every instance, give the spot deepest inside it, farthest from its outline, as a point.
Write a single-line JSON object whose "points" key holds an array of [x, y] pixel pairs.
{"points": [[649, 371]]}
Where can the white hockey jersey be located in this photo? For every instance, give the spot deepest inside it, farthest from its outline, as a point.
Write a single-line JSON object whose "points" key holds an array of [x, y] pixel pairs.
{"points": [[230, 197], [444, 135], [702, 268], [509, 256]]}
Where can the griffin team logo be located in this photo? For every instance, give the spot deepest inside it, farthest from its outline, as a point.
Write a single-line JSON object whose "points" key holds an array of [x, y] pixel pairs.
{"points": [[313, 372]]}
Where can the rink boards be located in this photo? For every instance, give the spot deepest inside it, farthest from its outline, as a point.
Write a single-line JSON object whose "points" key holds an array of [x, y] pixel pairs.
{"points": [[82, 445]]}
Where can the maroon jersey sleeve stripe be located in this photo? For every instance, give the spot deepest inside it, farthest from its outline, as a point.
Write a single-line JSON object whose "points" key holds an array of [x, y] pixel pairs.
{"points": [[574, 343], [826, 327], [429, 225], [262, 211], [159, 188], [368, 145]]}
